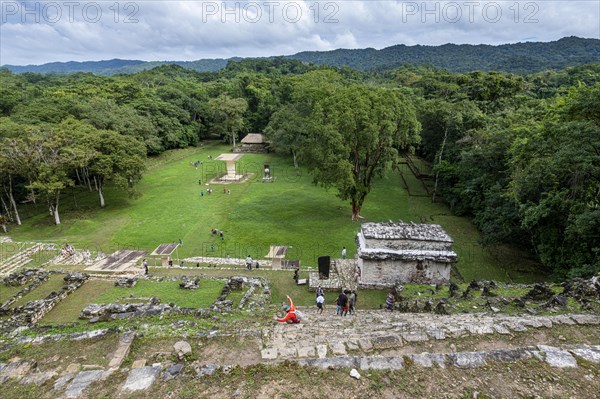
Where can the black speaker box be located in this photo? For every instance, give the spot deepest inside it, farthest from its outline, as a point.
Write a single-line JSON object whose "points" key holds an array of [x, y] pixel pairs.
{"points": [[324, 263]]}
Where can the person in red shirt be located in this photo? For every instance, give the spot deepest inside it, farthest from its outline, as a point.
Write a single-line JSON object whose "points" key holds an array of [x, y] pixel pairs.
{"points": [[290, 316]]}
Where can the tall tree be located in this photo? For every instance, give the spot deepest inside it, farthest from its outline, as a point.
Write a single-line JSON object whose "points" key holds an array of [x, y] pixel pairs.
{"points": [[117, 159], [557, 184], [287, 130], [355, 132], [228, 113], [55, 157]]}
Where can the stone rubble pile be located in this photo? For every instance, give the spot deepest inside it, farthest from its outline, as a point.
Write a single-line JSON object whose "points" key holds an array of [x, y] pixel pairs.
{"points": [[126, 282], [188, 283], [539, 292], [115, 311], [75, 278], [582, 289], [23, 277]]}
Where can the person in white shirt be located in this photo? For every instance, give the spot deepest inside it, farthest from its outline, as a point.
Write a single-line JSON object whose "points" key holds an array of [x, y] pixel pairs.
{"points": [[320, 303]]}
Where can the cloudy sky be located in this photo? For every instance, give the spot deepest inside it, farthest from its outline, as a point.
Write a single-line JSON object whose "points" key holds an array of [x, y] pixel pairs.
{"points": [[36, 32]]}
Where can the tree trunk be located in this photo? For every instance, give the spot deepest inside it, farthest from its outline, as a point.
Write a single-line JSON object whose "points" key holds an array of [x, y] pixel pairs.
{"points": [[86, 176], [355, 210], [4, 228], [233, 138], [12, 201], [32, 194], [56, 215], [437, 174], [101, 195], [6, 210], [295, 159]]}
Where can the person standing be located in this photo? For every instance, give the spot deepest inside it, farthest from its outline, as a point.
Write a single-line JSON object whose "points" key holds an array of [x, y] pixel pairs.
{"points": [[343, 301], [352, 302], [320, 291], [344, 253], [389, 302], [145, 264], [320, 303], [249, 262]]}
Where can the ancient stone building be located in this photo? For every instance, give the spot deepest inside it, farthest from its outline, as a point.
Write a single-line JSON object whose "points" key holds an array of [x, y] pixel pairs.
{"points": [[253, 142], [391, 253]]}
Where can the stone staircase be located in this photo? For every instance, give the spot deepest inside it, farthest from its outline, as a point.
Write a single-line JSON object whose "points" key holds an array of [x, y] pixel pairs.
{"points": [[20, 259], [371, 340], [326, 335]]}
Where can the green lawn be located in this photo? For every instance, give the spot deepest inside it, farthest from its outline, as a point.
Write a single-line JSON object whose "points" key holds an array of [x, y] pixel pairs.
{"points": [[101, 291], [282, 284], [168, 292], [291, 211], [7, 292], [54, 284], [68, 310]]}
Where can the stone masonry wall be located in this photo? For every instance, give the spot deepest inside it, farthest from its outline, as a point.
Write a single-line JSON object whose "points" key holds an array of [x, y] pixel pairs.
{"points": [[408, 244], [387, 273]]}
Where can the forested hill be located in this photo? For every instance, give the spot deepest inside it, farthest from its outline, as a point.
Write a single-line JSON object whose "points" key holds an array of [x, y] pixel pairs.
{"points": [[117, 66], [521, 58]]}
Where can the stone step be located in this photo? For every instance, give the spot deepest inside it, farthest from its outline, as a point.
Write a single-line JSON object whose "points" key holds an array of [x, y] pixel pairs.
{"points": [[559, 357], [19, 259], [142, 378], [369, 330], [122, 350]]}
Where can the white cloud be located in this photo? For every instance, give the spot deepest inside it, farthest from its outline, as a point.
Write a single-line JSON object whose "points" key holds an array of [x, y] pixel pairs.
{"points": [[190, 30]]}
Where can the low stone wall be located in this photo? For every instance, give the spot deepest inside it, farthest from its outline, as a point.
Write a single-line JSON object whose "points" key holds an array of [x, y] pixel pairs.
{"points": [[37, 276], [126, 282], [30, 313], [257, 295], [190, 283], [21, 278]]}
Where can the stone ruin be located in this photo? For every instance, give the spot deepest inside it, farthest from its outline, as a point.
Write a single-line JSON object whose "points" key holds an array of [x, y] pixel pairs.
{"points": [[33, 311], [188, 283], [540, 296], [115, 311], [389, 253], [23, 277], [236, 283], [75, 278], [582, 289], [34, 277], [539, 292], [126, 282], [257, 295]]}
